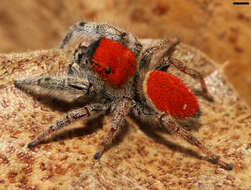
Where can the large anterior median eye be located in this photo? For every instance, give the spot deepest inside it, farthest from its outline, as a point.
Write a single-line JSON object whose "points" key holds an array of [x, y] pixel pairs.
{"points": [[113, 62]]}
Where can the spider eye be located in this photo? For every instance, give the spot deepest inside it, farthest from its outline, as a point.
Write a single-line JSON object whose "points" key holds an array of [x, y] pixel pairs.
{"points": [[79, 54], [107, 70], [78, 57]]}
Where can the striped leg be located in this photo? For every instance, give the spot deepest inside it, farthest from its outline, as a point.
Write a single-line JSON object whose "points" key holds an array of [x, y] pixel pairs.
{"points": [[86, 112], [169, 123], [118, 118], [65, 88]]}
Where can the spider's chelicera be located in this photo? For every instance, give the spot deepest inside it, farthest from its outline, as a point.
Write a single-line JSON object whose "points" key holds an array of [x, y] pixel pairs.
{"points": [[115, 75]]}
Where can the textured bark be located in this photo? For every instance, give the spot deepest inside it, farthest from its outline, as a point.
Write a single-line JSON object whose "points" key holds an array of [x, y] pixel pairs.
{"points": [[142, 157]]}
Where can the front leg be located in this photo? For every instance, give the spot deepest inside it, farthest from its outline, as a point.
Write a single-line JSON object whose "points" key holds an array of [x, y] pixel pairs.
{"points": [[86, 112], [64, 88], [118, 117], [87, 32], [169, 123], [91, 31]]}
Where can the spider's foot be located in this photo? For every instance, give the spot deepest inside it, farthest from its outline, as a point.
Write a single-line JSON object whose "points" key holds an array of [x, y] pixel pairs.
{"points": [[30, 145], [99, 152], [229, 167], [208, 96], [225, 165], [222, 164], [18, 83], [97, 155]]}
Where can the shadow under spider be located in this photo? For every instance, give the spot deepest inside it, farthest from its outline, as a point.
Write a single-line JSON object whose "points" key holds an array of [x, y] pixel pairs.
{"points": [[57, 104], [150, 131], [119, 138], [90, 127], [93, 125]]}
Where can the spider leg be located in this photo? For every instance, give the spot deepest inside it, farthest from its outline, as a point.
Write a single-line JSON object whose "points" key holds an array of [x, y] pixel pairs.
{"points": [[65, 88], [118, 118], [169, 122], [152, 57], [193, 73], [157, 58], [87, 112], [91, 31], [72, 36]]}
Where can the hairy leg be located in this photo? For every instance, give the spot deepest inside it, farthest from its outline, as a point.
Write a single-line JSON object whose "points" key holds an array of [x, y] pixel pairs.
{"points": [[168, 122], [86, 112], [74, 34], [91, 31], [152, 57], [193, 73], [118, 118], [65, 88]]}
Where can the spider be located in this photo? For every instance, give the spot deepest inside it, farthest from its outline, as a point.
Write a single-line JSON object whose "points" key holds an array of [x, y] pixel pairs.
{"points": [[115, 75]]}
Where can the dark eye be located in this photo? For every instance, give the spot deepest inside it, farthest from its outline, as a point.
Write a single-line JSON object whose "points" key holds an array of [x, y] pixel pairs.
{"points": [[79, 53], [78, 57], [107, 70]]}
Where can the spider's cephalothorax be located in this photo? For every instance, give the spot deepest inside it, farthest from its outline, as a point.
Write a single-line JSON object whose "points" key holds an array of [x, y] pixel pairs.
{"points": [[115, 75], [114, 63]]}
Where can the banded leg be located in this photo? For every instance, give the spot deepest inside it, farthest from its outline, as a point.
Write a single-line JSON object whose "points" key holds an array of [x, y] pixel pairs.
{"points": [[152, 58], [118, 117], [91, 31], [193, 73], [168, 122], [73, 35], [67, 88], [86, 112]]}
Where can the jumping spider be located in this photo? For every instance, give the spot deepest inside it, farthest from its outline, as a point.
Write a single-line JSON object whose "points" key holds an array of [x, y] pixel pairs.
{"points": [[116, 76]]}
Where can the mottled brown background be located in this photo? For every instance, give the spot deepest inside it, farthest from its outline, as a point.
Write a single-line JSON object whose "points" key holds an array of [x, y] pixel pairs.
{"points": [[216, 27], [156, 160], [142, 157]]}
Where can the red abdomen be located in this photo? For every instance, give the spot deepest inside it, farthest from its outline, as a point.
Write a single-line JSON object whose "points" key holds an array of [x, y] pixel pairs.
{"points": [[169, 94]]}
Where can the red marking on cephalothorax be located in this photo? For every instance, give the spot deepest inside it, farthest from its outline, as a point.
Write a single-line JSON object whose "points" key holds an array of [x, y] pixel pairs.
{"points": [[115, 57], [169, 94]]}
